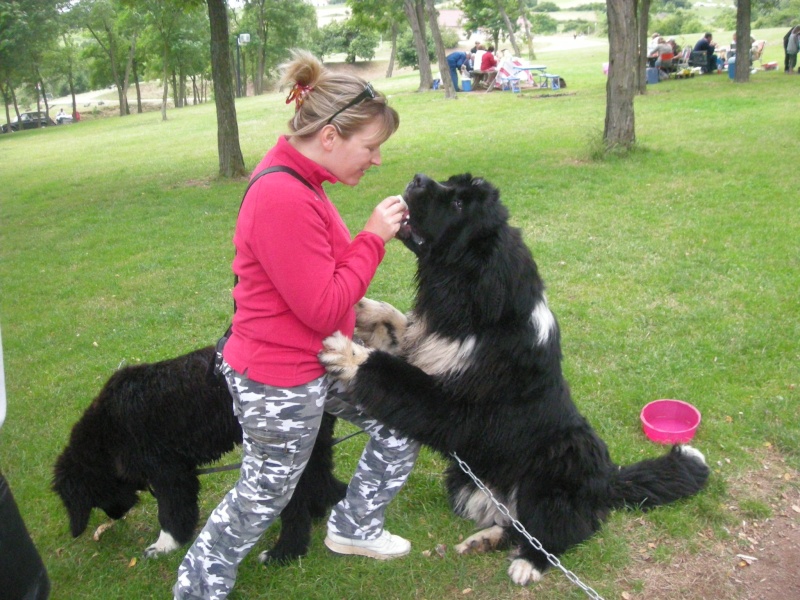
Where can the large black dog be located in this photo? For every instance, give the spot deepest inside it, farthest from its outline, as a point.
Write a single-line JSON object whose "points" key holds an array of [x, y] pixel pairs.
{"points": [[476, 371], [150, 427]]}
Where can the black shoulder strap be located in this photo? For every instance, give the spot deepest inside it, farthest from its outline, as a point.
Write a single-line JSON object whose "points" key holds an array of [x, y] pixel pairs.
{"points": [[259, 175], [277, 169]]}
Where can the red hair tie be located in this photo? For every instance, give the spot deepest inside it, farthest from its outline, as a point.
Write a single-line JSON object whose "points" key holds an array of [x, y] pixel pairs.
{"points": [[298, 94]]}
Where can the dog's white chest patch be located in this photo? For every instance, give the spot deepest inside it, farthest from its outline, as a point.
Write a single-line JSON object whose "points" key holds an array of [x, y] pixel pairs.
{"points": [[435, 354], [543, 321]]}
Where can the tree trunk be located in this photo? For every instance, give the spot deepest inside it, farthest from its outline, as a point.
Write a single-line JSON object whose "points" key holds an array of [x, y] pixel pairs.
{"points": [[231, 162], [393, 53], [523, 11], [415, 11], [509, 27], [743, 45], [126, 80], [136, 84], [7, 101], [619, 132], [449, 90], [641, 69], [165, 93], [44, 95]]}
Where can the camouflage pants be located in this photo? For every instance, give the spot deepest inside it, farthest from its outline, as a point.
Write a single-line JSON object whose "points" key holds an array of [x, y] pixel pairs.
{"points": [[279, 428]]}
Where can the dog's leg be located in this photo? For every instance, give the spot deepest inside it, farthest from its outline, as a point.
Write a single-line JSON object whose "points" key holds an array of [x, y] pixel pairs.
{"points": [[380, 325], [316, 492], [176, 495], [484, 541]]}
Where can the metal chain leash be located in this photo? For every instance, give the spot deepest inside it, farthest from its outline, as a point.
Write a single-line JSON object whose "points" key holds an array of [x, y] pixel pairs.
{"points": [[553, 560]]}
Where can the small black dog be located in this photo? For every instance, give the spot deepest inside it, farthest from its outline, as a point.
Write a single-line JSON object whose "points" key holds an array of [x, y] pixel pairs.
{"points": [[150, 427]]}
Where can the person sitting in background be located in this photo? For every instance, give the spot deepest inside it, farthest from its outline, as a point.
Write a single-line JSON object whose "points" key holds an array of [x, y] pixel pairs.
{"points": [[652, 45], [707, 45], [488, 61]]}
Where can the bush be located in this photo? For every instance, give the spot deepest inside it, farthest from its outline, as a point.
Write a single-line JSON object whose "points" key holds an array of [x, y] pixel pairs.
{"points": [[545, 7], [407, 50], [592, 7], [578, 26], [682, 21], [541, 24]]}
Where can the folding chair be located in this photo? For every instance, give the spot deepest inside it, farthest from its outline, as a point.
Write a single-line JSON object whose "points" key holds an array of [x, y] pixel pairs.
{"points": [[756, 51]]}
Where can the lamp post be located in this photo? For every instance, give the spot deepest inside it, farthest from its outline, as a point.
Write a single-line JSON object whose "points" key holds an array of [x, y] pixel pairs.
{"points": [[242, 38]]}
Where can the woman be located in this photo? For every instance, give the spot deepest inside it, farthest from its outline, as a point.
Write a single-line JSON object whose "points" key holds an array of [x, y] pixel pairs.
{"points": [[299, 277]]}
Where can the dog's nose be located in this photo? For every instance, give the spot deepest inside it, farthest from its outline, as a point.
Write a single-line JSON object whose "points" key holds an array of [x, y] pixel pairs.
{"points": [[419, 180]]}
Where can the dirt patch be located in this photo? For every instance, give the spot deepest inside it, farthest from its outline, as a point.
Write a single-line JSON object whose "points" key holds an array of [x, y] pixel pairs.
{"points": [[758, 559]]}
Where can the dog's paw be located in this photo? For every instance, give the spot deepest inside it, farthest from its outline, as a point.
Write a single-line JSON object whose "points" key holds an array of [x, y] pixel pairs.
{"points": [[688, 450], [523, 572], [380, 325], [163, 545], [481, 542], [341, 357]]}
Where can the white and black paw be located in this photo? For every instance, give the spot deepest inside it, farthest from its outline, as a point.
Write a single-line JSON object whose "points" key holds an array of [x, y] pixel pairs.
{"points": [[163, 545], [341, 357], [693, 452], [522, 572], [484, 541], [380, 325]]}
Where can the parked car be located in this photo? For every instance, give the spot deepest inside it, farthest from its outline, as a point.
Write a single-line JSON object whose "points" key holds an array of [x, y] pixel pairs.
{"points": [[29, 120]]}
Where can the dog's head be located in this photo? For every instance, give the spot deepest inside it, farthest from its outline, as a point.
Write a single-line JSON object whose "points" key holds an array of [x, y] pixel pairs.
{"points": [[446, 218], [82, 486]]}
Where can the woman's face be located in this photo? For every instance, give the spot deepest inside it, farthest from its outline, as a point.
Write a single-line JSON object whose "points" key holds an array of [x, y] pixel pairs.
{"points": [[350, 158]]}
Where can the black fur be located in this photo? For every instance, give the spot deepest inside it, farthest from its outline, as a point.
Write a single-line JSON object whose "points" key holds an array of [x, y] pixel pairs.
{"points": [[150, 427], [506, 411]]}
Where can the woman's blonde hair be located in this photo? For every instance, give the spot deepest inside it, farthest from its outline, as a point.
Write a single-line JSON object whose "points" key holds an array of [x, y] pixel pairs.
{"points": [[320, 94]]}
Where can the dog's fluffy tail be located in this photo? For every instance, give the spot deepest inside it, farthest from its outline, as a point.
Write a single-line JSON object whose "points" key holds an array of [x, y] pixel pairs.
{"points": [[680, 473]]}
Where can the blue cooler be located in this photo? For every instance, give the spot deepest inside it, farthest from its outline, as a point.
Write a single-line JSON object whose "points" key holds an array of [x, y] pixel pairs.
{"points": [[466, 85], [652, 75], [732, 67]]}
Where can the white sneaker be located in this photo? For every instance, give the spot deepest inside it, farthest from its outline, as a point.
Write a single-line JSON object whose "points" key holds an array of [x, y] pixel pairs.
{"points": [[384, 547]]}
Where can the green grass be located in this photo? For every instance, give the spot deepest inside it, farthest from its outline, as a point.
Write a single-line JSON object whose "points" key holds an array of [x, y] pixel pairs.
{"points": [[673, 273]]}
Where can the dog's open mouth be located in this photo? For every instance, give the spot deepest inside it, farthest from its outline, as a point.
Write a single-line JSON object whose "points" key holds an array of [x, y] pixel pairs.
{"points": [[407, 233]]}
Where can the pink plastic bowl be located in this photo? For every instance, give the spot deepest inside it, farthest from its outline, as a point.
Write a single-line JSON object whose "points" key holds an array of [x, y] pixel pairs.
{"points": [[670, 421]]}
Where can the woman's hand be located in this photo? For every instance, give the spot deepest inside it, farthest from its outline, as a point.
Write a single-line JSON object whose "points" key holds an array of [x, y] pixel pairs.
{"points": [[386, 218]]}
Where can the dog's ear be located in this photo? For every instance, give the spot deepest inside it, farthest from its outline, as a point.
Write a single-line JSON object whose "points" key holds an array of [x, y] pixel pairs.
{"points": [[69, 484]]}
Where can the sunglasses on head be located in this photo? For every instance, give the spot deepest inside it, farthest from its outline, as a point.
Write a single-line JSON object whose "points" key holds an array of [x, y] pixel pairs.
{"points": [[367, 94]]}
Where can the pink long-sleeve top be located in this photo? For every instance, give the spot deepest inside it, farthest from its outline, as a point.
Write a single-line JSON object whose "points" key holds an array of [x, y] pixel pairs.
{"points": [[300, 273]]}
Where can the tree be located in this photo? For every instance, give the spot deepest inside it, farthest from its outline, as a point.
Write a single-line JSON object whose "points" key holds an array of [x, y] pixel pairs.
{"points": [[275, 27], [383, 16], [415, 12], [104, 20], [501, 9], [619, 132], [523, 13], [433, 16], [231, 162], [742, 74]]}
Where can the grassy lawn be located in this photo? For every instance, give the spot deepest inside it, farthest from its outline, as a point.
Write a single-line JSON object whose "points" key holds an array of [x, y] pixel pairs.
{"points": [[673, 272]]}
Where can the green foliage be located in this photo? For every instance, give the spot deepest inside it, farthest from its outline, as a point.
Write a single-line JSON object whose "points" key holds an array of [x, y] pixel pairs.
{"points": [[725, 19], [543, 24], [780, 13], [344, 37], [578, 26], [546, 7], [591, 7], [682, 21], [407, 49]]}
